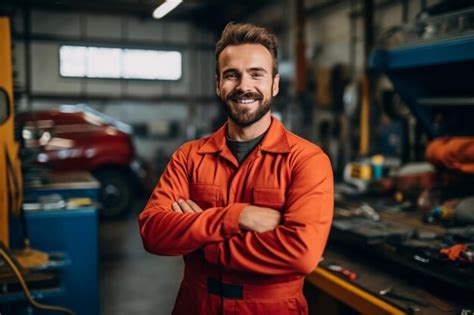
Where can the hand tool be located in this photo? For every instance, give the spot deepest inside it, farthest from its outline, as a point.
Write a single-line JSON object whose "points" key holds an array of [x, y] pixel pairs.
{"points": [[349, 274], [389, 292]]}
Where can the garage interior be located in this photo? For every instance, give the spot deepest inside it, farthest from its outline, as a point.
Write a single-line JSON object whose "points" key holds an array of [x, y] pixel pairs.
{"points": [[96, 96]]}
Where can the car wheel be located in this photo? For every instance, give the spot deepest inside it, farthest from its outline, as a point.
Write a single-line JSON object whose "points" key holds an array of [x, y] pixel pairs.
{"points": [[116, 193]]}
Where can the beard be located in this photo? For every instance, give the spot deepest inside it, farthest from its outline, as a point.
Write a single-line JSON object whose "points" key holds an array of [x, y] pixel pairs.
{"points": [[244, 117]]}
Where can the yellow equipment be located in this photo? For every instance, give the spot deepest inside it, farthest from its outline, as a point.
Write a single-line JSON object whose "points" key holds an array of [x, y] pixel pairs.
{"points": [[11, 185], [10, 172]]}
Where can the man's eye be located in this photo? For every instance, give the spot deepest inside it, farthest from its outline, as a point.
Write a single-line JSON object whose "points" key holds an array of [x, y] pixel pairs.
{"points": [[257, 74], [230, 76]]}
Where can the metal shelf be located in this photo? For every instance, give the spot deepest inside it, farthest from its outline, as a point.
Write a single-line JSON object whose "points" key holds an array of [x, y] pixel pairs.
{"points": [[435, 80]]}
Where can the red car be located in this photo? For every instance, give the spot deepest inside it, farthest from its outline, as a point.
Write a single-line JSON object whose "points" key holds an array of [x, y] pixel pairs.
{"points": [[77, 137]]}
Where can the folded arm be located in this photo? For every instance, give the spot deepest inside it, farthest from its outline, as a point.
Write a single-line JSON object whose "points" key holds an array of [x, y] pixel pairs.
{"points": [[296, 245], [168, 232]]}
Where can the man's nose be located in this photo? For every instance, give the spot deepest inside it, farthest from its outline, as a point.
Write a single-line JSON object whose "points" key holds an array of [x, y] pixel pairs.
{"points": [[245, 84]]}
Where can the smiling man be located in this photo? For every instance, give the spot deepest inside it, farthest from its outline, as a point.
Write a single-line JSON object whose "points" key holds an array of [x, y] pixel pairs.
{"points": [[249, 207]]}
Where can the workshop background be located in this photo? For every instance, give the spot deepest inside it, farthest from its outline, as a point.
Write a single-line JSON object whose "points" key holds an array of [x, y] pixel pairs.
{"points": [[96, 95]]}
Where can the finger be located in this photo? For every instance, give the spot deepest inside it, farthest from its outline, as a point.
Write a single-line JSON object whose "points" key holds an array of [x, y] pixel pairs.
{"points": [[194, 206], [176, 207], [184, 206]]}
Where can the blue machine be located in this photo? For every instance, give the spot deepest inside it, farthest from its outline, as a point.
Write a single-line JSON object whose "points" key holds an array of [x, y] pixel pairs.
{"points": [[74, 233], [71, 231]]}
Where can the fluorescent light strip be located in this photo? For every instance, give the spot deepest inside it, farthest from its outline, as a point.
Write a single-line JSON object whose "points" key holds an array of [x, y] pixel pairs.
{"points": [[165, 8]]}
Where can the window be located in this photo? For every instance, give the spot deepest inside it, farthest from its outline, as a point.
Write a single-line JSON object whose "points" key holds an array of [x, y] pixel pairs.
{"points": [[118, 63]]}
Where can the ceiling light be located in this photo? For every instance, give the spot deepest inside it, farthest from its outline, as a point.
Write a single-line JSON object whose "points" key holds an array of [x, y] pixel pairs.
{"points": [[165, 7]]}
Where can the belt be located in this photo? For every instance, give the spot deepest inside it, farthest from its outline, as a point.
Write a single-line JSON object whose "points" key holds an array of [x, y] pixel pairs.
{"points": [[231, 291], [238, 292]]}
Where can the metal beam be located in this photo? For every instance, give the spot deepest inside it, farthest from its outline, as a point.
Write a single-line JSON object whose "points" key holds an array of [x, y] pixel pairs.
{"points": [[107, 42], [158, 99]]}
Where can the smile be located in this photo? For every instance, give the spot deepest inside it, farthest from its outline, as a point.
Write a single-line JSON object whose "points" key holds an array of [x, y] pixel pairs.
{"points": [[245, 101]]}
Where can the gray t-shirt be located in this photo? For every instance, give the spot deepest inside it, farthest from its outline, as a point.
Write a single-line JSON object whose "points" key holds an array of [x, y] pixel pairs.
{"points": [[241, 149]]}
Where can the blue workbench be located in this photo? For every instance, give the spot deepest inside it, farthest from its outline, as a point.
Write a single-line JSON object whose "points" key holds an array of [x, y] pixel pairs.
{"points": [[72, 232]]}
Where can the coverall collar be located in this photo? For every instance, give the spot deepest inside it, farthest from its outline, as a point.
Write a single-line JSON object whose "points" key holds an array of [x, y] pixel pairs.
{"points": [[275, 140]]}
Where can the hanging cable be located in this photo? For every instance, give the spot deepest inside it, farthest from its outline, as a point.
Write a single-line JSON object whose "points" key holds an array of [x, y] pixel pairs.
{"points": [[26, 291]]}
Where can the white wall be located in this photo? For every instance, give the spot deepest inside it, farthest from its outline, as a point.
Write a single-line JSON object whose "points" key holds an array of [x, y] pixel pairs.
{"points": [[112, 30], [51, 29]]}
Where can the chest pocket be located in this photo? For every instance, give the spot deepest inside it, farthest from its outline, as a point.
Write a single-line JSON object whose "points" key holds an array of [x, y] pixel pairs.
{"points": [[206, 196], [269, 197]]}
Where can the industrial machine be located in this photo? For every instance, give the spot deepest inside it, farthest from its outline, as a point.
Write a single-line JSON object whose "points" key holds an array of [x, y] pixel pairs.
{"points": [[10, 180]]}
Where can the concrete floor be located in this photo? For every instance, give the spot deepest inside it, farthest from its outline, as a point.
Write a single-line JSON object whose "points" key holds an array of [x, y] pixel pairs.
{"points": [[133, 281]]}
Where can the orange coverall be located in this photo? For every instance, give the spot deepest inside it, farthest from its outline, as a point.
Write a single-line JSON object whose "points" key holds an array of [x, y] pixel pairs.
{"points": [[234, 271], [455, 153]]}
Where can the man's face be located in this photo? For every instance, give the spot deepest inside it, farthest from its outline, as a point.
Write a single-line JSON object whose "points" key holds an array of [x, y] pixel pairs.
{"points": [[245, 84]]}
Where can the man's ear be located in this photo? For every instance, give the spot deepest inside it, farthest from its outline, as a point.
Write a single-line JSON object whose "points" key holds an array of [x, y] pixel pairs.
{"points": [[276, 85]]}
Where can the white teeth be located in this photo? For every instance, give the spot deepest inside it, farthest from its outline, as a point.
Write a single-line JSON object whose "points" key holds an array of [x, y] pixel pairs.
{"points": [[248, 101]]}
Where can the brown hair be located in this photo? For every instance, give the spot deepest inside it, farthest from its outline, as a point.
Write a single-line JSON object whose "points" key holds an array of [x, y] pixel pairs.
{"points": [[238, 34]]}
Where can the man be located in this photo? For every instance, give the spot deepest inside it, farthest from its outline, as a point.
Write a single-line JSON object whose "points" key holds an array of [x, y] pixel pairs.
{"points": [[249, 207]]}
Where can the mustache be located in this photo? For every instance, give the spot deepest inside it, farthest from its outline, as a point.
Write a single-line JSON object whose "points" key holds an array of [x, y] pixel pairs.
{"points": [[249, 95]]}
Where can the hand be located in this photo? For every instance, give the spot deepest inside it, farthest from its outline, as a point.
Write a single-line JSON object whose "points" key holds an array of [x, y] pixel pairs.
{"points": [[185, 206], [259, 219]]}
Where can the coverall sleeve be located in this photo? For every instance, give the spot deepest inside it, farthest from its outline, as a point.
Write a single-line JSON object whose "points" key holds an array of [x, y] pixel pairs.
{"points": [[296, 246], [165, 232]]}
